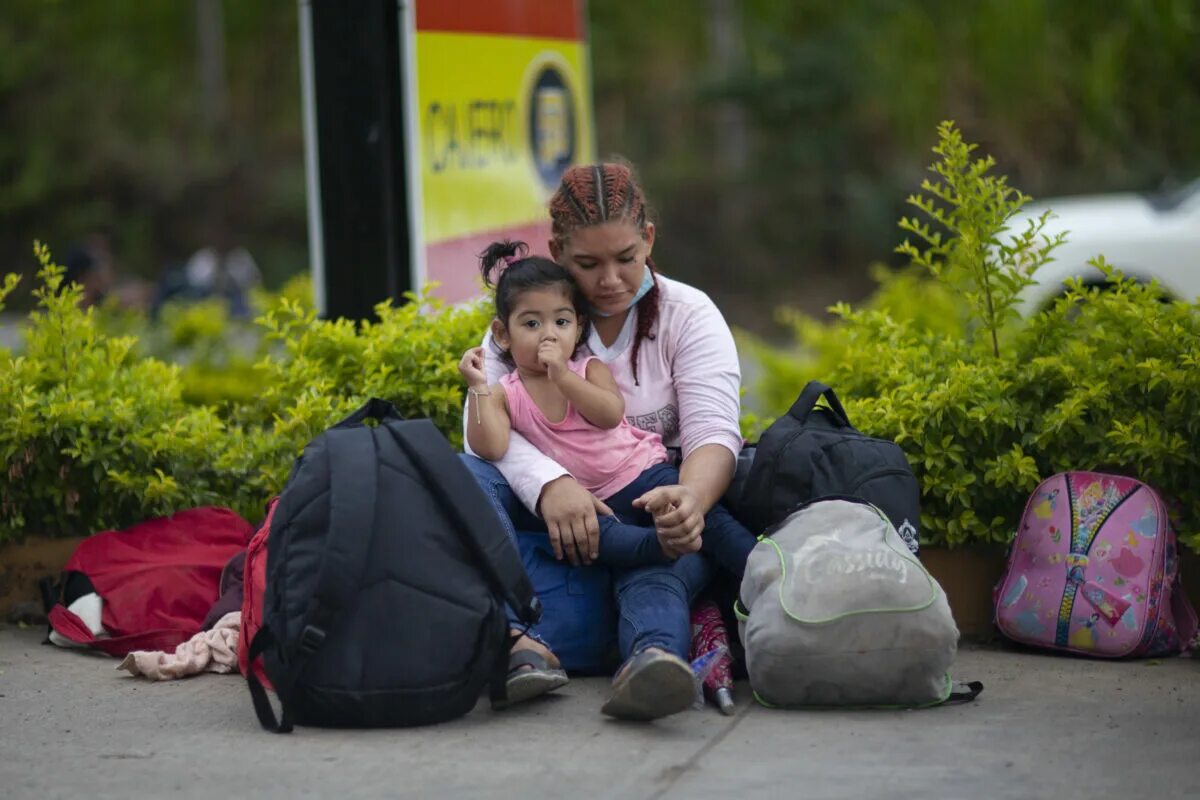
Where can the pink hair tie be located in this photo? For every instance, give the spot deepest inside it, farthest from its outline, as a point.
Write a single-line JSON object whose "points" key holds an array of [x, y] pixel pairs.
{"points": [[508, 260]]}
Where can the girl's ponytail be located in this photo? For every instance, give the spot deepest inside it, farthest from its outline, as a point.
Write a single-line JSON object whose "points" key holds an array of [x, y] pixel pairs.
{"points": [[497, 253], [520, 273]]}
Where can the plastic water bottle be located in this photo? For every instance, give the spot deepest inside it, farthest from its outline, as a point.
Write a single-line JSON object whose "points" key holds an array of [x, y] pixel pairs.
{"points": [[702, 665]]}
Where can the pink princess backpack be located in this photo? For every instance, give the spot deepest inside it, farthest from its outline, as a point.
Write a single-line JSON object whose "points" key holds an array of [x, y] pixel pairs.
{"points": [[1094, 570]]}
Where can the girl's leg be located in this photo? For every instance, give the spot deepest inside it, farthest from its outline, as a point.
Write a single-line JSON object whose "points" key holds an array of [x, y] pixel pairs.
{"points": [[724, 538], [628, 546], [509, 508]]}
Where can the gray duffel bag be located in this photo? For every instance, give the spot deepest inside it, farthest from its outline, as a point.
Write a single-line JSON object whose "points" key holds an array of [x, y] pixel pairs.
{"points": [[835, 611]]}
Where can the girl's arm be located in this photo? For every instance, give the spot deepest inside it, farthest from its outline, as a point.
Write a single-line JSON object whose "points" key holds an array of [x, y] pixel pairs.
{"points": [[598, 399], [488, 423], [528, 471]]}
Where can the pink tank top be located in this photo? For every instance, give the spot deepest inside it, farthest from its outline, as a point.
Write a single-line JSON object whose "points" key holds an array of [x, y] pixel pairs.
{"points": [[603, 461]]}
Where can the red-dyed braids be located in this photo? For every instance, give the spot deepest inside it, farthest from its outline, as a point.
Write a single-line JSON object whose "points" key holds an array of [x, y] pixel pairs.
{"points": [[600, 193]]}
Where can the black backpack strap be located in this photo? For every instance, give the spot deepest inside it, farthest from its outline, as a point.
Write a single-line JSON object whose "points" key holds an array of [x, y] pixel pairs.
{"points": [[353, 482], [351, 452], [258, 693], [462, 498], [963, 693], [807, 401], [376, 409]]}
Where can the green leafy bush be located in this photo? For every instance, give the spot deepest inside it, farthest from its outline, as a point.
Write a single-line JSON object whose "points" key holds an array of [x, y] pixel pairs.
{"points": [[1104, 380], [818, 348], [327, 368], [98, 435]]}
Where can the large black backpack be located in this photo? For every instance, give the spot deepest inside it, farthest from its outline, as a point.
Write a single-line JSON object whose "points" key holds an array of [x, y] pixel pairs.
{"points": [[387, 578], [814, 451]]}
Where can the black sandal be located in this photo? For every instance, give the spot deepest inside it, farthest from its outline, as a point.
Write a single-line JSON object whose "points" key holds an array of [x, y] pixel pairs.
{"points": [[529, 676]]}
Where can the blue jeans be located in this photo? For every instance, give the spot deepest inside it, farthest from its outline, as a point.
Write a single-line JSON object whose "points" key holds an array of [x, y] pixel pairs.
{"points": [[586, 610], [628, 538]]}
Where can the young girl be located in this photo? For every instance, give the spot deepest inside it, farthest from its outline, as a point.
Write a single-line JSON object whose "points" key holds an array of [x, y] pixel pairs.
{"points": [[572, 411]]}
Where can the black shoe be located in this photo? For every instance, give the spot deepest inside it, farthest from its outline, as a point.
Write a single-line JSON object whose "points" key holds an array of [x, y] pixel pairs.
{"points": [[654, 684]]}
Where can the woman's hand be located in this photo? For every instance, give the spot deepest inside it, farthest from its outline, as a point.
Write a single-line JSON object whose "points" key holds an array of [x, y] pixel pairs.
{"points": [[677, 517], [570, 514], [471, 367]]}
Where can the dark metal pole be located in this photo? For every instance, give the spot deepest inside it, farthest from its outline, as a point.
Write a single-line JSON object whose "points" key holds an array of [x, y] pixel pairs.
{"points": [[357, 103]]}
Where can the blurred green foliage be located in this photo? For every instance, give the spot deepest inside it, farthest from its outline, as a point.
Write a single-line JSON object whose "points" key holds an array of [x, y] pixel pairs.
{"points": [[105, 129], [833, 102], [778, 140]]}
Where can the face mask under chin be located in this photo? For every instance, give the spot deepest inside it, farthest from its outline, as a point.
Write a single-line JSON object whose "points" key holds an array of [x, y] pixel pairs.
{"points": [[643, 290]]}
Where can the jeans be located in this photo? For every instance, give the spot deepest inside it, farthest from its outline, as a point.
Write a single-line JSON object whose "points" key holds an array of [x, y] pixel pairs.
{"points": [[587, 609], [628, 538]]}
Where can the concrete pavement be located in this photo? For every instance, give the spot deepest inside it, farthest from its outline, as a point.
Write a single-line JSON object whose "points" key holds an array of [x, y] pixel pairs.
{"points": [[72, 726]]}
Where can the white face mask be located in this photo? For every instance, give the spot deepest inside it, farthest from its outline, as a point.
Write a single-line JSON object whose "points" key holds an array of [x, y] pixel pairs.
{"points": [[647, 285]]}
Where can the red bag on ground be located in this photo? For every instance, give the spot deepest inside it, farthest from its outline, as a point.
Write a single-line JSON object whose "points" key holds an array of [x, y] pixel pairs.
{"points": [[157, 580], [253, 586]]}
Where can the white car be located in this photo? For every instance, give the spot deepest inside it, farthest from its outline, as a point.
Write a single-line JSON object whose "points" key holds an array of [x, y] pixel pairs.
{"points": [[1148, 237]]}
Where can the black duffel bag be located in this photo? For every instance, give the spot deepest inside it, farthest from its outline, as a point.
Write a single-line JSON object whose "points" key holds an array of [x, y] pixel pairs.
{"points": [[813, 451], [387, 578]]}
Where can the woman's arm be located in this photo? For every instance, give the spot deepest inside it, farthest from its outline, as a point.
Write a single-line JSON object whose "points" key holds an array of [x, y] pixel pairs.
{"points": [[707, 380], [707, 471], [488, 432], [597, 398], [679, 510]]}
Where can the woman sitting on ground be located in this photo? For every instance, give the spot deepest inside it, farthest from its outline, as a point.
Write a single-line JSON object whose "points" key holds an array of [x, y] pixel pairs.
{"points": [[672, 357]]}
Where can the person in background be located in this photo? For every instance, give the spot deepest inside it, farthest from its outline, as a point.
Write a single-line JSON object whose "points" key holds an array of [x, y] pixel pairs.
{"points": [[90, 264], [224, 270], [220, 269]]}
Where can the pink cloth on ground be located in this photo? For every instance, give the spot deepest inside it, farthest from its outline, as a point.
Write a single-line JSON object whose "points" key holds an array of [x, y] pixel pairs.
{"points": [[708, 633], [603, 461], [214, 650]]}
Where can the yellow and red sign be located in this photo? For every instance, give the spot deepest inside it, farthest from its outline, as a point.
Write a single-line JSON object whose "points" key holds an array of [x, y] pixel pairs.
{"points": [[502, 103]]}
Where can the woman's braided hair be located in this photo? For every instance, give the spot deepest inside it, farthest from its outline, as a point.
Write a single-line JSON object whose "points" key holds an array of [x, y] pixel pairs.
{"points": [[599, 193]]}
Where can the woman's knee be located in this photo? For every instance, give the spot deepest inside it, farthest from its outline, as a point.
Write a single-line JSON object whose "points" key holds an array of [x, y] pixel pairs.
{"points": [[497, 490], [482, 471]]}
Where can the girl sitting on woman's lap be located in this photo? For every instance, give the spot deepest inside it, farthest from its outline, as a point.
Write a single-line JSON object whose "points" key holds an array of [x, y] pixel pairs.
{"points": [[572, 411]]}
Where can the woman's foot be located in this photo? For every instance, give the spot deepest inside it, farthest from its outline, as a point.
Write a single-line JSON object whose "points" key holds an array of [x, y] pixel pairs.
{"points": [[532, 671], [652, 684]]}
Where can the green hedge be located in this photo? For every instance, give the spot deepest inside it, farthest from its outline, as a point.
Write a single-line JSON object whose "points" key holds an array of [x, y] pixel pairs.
{"points": [[102, 433], [99, 435], [987, 404]]}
